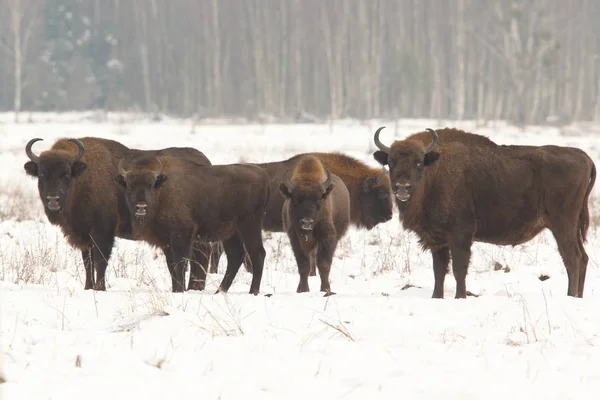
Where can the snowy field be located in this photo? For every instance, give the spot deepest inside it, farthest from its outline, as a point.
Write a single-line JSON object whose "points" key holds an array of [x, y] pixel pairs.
{"points": [[380, 337]]}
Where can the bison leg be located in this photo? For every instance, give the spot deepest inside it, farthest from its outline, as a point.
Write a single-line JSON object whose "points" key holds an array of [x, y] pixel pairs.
{"points": [[582, 267], [570, 251], [461, 255], [101, 251], [441, 259], [234, 250], [88, 264], [303, 262], [198, 265], [180, 246], [251, 235], [324, 260]]}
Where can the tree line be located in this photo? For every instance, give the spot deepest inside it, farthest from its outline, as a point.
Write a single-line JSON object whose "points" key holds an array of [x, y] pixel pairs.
{"points": [[524, 61]]}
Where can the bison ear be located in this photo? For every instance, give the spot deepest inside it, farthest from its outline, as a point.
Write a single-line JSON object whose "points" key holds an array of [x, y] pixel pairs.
{"points": [[327, 191], [160, 180], [120, 180], [283, 189], [381, 157], [31, 168], [77, 168], [431, 158]]}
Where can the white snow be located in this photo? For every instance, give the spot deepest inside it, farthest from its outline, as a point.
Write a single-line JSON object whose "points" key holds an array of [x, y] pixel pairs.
{"points": [[522, 338]]}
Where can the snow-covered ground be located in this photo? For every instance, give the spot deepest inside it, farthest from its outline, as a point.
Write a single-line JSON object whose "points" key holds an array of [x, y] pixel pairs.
{"points": [[377, 338]]}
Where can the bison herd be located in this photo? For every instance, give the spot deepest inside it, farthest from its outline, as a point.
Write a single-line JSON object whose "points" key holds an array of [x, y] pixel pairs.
{"points": [[451, 187]]}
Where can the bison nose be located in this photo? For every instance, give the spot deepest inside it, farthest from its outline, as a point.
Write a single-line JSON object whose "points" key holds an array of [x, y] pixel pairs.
{"points": [[53, 204], [406, 186], [307, 223], [140, 208]]}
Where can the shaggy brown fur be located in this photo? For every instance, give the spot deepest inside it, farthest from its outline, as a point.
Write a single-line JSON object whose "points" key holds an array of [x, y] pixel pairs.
{"points": [[91, 208], [481, 191], [173, 202], [369, 189], [316, 214]]}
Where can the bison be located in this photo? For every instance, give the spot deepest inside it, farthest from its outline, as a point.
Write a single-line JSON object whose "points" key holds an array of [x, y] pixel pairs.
{"points": [[173, 202], [454, 188], [75, 184], [370, 193], [316, 214]]}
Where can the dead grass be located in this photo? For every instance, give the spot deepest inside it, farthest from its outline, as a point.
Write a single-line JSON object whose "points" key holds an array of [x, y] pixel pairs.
{"points": [[19, 204]]}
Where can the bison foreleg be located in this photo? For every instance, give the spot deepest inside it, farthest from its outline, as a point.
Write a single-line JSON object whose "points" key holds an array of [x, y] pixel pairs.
{"points": [[180, 246], [441, 259], [461, 256], [88, 264], [324, 260], [101, 251], [303, 262]]}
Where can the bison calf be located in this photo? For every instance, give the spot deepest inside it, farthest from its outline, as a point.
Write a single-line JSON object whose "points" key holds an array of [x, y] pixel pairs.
{"points": [[174, 201], [316, 214], [454, 188]]}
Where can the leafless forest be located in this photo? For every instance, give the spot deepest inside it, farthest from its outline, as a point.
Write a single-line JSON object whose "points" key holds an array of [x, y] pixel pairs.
{"points": [[526, 61]]}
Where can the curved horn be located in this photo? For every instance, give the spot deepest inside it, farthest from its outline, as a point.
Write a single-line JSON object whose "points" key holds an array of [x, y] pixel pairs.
{"points": [[378, 143], [120, 168], [29, 153], [79, 152], [286, 179], [435, 140], [160, 167], [328, 179]]}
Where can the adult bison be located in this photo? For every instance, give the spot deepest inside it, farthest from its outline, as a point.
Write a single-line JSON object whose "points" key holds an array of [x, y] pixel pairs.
{"points": [[369, 190], [75, 184], [174, 201], [453, 188], [315, 214]]}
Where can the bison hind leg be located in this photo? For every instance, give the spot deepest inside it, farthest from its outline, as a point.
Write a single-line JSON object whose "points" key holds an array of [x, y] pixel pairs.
{"points": [[234, 250], [461, 256], [573, 256]]}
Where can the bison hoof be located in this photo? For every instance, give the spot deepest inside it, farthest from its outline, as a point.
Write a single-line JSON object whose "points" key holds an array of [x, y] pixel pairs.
{"points": [[437, 296], [329, 293]]}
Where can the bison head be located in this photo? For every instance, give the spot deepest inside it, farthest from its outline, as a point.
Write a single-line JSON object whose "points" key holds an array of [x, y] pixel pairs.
{"points": [[375, 200], [55, 170], [406, 160], [306, 198], [141, 181]]}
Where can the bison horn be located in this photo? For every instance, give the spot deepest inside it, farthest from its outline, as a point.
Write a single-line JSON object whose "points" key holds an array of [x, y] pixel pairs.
{"points": [[378, 143], [160, 167], [286, 179], [435, 140], [29, 153], [81, 150], [120, 168], [328, 179]]}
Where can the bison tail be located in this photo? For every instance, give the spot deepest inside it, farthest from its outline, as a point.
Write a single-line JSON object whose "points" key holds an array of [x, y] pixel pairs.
{"points": [[584, 216]]}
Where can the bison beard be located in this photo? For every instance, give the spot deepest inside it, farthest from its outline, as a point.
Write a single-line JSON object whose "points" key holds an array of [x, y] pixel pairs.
{"points": [[481, 191]]}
